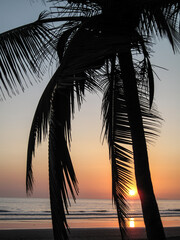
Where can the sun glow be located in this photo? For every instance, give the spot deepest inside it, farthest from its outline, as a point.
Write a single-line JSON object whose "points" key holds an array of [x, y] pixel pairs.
{"points": [[132, 192], [131, 223]]}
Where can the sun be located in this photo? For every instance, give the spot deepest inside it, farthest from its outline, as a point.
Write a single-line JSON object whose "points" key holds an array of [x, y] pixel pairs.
{"points": [[132, 192]]}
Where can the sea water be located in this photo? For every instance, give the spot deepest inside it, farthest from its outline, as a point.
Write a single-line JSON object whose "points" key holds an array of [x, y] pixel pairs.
{"points": [[35, 213]]}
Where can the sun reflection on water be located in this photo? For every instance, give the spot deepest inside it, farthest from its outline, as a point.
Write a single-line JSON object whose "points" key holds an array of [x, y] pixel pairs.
{"points": [[131, 223]]}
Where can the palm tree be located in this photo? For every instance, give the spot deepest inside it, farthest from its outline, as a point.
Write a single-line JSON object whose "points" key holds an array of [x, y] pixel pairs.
{"points": [[101, 45]]}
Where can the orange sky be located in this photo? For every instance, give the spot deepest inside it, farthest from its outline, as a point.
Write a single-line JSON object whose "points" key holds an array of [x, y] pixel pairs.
{"points": [[90, 158]]}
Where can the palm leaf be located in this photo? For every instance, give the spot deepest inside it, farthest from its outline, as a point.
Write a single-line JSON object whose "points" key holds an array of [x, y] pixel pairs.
{"points": [[60, 166], [90, 56], [76, 8], [143, 67], [117, 131], [160, 18], [54, 112], [61, 172], [40, 123], [62, 41], [39, 127], [19, 49]]}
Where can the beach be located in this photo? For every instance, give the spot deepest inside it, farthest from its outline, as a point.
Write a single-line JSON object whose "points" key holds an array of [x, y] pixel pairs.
{"points": [[172, 233], [88, 219]]}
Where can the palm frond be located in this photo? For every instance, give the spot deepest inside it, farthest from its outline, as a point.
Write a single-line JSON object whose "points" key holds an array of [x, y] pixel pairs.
{"points": [[39, 127], [63, 77], [145, 81], [163, 27], [63, 41], [117, 131], [60, 165], [61, 172], [53, 116], [76, 8], [144, 70], [161, 19], [40, 123], [19, 51], [90, 56]]}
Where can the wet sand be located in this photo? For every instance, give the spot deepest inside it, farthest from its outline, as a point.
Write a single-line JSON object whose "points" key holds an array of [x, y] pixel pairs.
{"points": [[172, 233]]}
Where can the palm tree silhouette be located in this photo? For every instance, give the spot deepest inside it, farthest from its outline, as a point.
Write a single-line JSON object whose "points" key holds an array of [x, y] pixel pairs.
{"points": [[101, 45]]}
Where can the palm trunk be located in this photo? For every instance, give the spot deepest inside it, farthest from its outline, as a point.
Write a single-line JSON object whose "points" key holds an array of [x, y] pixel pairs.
{"points": [[154, 228]]}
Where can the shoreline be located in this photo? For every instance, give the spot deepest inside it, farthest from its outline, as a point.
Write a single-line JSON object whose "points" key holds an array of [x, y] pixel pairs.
{"points": [[91, 223], [172, 233]]}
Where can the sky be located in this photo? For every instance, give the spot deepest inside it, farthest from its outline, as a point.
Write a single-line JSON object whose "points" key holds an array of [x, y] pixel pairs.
{"points": [[90, 157]]}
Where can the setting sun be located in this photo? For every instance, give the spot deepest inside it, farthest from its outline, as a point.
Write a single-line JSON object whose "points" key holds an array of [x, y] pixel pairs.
{"points": [[132, 192]]}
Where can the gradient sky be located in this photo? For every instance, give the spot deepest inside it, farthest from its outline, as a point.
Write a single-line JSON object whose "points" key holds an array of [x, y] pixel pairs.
{"points": [[89, 156]]}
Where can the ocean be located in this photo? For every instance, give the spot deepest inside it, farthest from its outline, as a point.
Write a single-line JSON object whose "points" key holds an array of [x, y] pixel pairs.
{"points": [[18, 213]]}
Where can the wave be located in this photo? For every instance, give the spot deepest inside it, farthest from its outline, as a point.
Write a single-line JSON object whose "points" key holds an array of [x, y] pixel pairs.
{"points": [[104, 213], [178, 210], [39, 209], [25, 214]]}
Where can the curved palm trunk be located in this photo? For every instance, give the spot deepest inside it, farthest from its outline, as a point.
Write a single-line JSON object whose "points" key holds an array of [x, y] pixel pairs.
{"points": [[150, 210]]}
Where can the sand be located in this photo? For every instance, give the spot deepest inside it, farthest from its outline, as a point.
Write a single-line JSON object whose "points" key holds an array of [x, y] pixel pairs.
{"points": [[172, 233]]}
